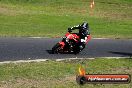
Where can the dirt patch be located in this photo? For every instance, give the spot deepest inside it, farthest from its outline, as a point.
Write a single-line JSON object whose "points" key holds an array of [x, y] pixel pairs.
{"points": [[34, 83], [7, 11], [122, 70], [20, 82]]}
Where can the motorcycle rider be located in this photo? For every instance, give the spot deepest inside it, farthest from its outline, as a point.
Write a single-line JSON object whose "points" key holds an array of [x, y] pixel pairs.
{"points": [[83, 33]]}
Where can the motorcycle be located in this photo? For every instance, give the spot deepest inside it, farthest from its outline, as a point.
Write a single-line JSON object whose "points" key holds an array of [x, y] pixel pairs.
{"points": [[70, 44]]}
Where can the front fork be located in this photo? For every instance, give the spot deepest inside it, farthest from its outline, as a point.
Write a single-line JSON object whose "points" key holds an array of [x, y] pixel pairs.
{"points": [[80, 46]]}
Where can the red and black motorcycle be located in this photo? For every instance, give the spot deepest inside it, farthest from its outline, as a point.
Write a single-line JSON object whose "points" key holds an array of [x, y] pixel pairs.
{"points": [[70, 44]]}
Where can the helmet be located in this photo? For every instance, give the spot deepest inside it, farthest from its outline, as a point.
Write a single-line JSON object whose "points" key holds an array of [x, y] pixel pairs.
{"points": [[84, 25]]}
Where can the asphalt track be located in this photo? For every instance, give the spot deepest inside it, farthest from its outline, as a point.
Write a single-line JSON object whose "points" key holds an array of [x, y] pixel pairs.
{"points": [[12, 49]]}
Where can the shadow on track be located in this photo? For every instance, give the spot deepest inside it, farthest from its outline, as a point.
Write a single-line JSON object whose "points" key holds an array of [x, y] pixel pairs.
{"points": [[50, 52], [122, 53]]}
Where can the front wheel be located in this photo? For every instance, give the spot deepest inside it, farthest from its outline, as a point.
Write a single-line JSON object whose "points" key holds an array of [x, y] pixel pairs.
{"points": [[79, 48], [56, 48], [76, 50]]}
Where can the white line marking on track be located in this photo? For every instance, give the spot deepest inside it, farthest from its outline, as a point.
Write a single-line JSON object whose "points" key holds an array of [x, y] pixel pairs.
{"points": [[21, 61], [35, 37], [42, 60], [114, 57]]}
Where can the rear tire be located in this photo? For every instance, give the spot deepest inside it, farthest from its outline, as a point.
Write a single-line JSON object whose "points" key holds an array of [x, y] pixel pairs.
{"points": [[56, 48]]}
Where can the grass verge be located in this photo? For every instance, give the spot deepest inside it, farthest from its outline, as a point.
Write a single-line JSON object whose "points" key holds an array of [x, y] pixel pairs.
{"points": [[51, 74], [51, 18]]}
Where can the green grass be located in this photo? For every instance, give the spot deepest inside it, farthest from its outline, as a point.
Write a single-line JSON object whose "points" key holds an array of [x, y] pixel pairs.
{"points": [[50, 18], [51, 74]]}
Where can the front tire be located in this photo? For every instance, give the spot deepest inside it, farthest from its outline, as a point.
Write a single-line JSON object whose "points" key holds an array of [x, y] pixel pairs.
{"points": [[56, 48], [76, 49], [79, 48]]}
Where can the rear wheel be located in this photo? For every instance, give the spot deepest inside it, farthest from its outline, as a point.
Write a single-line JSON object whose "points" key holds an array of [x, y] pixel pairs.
{"points": [[56, 48]]}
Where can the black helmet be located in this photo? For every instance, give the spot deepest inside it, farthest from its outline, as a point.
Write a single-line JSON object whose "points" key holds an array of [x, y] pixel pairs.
{"points": [[84, 25]]}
